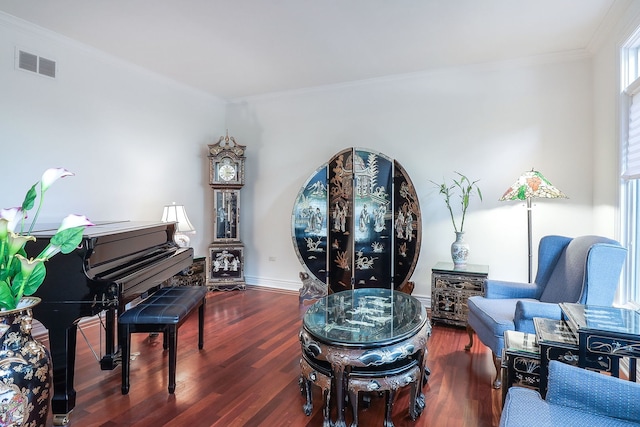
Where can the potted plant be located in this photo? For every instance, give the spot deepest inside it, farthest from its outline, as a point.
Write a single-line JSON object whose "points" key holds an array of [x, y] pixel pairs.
{"points": [[24, 363], [462, 187]]}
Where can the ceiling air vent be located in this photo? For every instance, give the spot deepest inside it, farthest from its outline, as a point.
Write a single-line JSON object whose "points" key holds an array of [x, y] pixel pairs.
{"points": [[36, 64]]}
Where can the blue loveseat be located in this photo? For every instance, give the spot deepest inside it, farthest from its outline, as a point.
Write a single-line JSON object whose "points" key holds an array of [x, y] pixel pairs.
{"points": [[575, 397]]}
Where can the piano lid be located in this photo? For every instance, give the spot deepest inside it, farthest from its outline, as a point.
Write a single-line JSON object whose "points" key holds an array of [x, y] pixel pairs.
{"points": [[101, 228]]}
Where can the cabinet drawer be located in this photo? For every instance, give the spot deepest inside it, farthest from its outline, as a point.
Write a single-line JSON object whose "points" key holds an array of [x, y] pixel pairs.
{"points": [[458, 282]]}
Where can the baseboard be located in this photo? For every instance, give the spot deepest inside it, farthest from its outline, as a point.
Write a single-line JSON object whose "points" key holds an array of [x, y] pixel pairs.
{"points": [[294, 286]]}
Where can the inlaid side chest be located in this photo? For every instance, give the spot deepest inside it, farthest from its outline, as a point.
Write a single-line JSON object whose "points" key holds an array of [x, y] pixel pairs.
{"points": [[450, 289]]}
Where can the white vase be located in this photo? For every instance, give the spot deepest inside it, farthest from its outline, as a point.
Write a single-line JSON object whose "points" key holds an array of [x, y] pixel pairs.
{"points": [[459, 250]]}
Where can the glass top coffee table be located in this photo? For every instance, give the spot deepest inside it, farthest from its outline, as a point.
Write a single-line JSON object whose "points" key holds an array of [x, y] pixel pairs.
{"points": [[606, 331], [362, 338]]}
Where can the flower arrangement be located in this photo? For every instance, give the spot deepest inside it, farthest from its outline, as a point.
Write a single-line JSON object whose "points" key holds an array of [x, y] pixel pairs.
{"points": [[465, 187], [21, 276]]}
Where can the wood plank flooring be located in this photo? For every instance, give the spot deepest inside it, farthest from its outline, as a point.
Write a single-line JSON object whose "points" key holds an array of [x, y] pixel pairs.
{"points": [[247, 374]]}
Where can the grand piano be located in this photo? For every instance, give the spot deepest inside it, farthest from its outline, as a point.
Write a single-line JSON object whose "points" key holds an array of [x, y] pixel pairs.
{"points": [[116, 263]]}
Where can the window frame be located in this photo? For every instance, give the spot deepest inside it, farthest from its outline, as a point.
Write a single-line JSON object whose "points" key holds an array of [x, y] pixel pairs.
{"points": [[629, 187]]}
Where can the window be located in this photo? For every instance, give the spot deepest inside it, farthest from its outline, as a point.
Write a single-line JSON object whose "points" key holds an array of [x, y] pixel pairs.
{"points": [[630, 147]]}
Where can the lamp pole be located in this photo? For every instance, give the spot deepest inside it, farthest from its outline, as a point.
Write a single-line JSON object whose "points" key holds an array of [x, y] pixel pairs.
{"points": [[529, 236]]}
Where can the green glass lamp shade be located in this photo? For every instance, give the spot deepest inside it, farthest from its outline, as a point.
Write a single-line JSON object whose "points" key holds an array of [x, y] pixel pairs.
{"points": [[532, 184]]}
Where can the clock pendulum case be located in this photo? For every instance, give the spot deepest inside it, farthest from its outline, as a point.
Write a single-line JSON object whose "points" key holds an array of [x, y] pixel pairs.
{"points": [[225, 259]]}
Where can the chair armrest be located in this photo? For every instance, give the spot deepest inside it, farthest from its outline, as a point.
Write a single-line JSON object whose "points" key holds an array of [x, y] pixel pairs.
{"points": [[502, 289], [593, 392], [527, 310]]}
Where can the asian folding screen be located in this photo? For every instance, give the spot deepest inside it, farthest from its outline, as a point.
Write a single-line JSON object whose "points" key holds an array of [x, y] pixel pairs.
{"points": [[355, 224]]}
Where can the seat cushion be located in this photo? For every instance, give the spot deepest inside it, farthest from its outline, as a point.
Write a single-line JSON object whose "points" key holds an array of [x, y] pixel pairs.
{"points": [[495, 314], [166, 306], [489, 318]]}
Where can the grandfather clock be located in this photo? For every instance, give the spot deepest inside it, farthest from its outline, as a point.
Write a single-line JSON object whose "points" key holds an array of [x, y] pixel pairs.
{"points": [[225, 260]]}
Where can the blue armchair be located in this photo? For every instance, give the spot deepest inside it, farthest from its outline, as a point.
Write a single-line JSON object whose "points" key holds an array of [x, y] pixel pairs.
{"points": [[575, 398], [584, 270]]}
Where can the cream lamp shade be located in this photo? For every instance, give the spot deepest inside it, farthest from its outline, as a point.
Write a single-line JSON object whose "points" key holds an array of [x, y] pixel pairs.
{"points": [[178, 214]]}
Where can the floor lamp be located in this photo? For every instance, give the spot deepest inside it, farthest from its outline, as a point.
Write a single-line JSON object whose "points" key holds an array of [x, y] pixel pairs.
{"points": [[531, 184]]}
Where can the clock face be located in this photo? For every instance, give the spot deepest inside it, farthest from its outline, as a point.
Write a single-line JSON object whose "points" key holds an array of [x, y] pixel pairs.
{"points": [[227, 172]]}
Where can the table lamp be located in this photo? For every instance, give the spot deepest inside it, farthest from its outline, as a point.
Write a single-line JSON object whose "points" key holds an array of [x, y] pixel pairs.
{"points": [[531, 184], [178, 214]]}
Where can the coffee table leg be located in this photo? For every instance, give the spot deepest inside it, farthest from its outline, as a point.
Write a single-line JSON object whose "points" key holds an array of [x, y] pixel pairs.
{"points": [[425, 372], [305, 388], [390, 395], [353, 396], [326, 410], [340, 388], [414, 408]]}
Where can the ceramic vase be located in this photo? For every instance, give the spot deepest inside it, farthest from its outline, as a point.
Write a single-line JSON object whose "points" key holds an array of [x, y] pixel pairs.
{"points": [[459, 250], [25, 369]]}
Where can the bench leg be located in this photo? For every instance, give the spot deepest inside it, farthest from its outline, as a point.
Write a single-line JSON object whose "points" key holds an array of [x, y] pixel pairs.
{"points": [[172, 336], [125, 348]]}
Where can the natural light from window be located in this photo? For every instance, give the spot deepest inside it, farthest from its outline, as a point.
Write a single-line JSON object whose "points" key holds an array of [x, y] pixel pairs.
{"points": [[630, 162]]}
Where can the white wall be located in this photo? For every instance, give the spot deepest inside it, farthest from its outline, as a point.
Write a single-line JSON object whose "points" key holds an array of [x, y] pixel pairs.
{"points": [[489, 122], [607, 87], [136, 141]]}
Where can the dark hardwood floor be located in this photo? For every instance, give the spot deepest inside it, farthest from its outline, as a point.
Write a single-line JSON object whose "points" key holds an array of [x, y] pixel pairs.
{"points": [[247, 374]]}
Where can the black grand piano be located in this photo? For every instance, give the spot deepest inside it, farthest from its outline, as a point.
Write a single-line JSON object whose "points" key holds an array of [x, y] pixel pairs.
{"points": [[115, 263]]}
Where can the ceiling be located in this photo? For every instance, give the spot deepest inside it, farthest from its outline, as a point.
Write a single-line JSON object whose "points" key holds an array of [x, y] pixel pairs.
{"points": [[238, 48]]}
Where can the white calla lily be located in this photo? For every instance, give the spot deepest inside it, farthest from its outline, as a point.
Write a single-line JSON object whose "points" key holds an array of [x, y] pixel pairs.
{"points": [[73, 220], [12, 216], [25, 279], [17, 242], [52, 175]]}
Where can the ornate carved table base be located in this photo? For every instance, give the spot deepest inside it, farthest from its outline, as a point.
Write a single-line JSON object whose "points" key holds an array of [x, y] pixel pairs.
{"points": [[320, 377], [369, 340], [390, 384]]}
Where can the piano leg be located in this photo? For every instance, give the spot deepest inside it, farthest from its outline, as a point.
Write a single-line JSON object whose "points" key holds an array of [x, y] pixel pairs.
{"points": [[63, 358], [111, 358]]}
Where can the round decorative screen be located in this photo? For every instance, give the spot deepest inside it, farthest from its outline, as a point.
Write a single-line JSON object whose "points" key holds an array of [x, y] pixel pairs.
{"points": [[356, 224]]}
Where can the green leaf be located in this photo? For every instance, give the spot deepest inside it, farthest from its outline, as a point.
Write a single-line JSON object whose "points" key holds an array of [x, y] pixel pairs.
{"points": [[68, 239], [14, 269], [35, 280], [29, 198], [6, 297]]}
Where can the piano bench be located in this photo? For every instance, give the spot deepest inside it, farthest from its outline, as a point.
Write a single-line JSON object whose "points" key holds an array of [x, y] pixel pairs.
{"points": [[163, 311]]}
